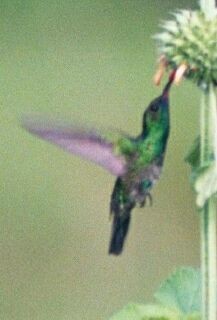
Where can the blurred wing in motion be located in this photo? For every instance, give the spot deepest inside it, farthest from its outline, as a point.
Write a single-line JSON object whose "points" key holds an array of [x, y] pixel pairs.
{"points": [[84, 143]]}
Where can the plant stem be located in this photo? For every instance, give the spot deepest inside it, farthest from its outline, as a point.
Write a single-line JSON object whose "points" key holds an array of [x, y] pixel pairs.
{"points": [[208, 7], [208, 213], [208, 260]]}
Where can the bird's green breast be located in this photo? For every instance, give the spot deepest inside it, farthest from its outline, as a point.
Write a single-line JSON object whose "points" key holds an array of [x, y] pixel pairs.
{"points": [[153, 146], [144, 150]]}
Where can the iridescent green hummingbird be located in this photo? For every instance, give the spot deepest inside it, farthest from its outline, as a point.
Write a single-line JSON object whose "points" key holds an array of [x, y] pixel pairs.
{"points": [[135, 161]]}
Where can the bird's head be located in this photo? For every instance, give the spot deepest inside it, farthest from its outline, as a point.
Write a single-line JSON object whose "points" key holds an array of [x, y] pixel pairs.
{"points": [[157, 113]]}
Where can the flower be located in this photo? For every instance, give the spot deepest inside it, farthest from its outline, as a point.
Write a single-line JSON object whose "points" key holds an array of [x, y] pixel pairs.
{"points": [[189, 44]]}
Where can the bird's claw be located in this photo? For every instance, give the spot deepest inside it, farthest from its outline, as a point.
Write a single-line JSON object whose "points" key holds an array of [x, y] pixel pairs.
{"points": [[143, 202]]}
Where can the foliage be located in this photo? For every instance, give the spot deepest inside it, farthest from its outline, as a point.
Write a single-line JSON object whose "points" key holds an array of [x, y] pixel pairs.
{"points": [[204, 173], [178, 298]]}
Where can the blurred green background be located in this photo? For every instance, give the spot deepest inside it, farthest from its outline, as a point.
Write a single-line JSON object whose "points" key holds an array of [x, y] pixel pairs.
{"points": [[92, 62]]}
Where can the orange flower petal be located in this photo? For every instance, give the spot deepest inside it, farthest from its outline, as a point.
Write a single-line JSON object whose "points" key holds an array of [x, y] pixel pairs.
{"points": [[180, 73], [162, 64], [158, 75]]}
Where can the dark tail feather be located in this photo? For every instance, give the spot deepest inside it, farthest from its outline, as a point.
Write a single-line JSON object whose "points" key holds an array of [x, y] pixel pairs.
{"points": [[120, 229]]}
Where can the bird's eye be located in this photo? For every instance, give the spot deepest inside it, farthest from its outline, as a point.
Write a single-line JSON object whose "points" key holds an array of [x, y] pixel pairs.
{"points": [[154, 107]]}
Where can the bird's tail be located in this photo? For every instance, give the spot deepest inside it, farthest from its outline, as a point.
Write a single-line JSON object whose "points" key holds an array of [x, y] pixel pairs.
{"points": [[120, 229], [121, 207]]}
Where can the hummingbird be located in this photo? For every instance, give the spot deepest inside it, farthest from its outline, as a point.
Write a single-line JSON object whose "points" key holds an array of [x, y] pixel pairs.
{"points": [[136, 162]]}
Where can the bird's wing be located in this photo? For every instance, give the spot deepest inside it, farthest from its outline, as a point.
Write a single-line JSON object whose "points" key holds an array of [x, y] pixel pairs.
{"points": [[85, 143]]}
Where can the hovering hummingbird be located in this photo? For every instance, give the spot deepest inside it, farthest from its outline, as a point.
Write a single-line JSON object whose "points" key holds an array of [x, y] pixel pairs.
{"points": [[135, 161]]}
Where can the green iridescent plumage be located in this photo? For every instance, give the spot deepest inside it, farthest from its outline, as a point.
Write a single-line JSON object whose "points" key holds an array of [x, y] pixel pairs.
{"points": [[144, 156], [149, 144]]}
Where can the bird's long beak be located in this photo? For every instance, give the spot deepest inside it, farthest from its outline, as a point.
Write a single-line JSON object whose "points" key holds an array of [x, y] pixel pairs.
{"points": [[167, 87]]}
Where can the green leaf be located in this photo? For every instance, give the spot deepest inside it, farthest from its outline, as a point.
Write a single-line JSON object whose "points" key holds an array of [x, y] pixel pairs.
{"points": [[193, 156], [192, 316], [206, 184], [204, 177], [146, 312], [182, 291]]}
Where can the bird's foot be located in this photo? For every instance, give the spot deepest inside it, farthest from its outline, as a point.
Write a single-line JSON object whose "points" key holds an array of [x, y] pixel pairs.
{"points": [[144, 201]]}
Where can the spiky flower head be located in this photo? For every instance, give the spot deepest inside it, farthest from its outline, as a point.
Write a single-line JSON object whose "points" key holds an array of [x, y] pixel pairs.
{"points": [[190, 40]]}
